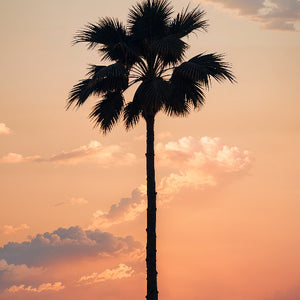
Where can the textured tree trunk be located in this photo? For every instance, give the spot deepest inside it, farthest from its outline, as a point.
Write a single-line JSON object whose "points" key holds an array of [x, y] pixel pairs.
{"points": [[152, 293]]}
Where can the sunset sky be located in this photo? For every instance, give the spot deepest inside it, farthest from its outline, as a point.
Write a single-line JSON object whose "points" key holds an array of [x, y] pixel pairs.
{"points": [[72, 217]]}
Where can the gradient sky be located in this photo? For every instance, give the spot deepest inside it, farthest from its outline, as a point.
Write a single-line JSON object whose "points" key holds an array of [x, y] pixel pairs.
{"points": [[72, 221]]}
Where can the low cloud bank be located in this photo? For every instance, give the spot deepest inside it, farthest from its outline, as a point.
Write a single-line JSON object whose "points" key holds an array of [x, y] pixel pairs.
{"points": [[17, 274], [271, 14], [66, 243]]}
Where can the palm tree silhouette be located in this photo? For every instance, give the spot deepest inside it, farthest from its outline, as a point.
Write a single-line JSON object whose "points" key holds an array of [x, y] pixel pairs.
{"points": [[149, 51]]}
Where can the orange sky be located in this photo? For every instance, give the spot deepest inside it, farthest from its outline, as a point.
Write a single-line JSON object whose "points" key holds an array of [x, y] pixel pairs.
{"points": [[72, 221]]}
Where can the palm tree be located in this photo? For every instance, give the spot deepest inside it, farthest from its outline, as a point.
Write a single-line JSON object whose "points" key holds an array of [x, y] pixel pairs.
{"points": [[149, 51]]}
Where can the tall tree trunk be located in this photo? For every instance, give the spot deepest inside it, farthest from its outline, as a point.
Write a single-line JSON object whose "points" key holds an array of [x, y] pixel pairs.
{"points": [[152, 293]]}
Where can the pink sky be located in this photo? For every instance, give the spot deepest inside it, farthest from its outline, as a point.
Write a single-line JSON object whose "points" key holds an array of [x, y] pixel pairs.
{"points": [[72, 220]]}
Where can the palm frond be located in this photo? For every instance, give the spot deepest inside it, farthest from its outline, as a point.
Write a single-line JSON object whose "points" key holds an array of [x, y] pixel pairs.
{"points": [[107, 31], [152, 94], [142, 68], [106, 112], [186, 95], [132, 112], [177, 108], [108, 78], [113, 70], [111, 36], [188, 21], [125, 52], [111, 84], [203, 68], [149, 19], [80, 92], [93, 69], [170, 49], [102, 79]]}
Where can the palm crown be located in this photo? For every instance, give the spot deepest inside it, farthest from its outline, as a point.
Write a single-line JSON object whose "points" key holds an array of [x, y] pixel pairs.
{"points": [[149, 51]]}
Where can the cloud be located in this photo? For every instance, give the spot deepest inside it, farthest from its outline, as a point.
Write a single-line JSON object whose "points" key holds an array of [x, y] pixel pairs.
{"points": [[4, 129], [174, 183], [9, 229], [122, 271], [73, 202], [271, 14], [293, 293], [14, 158], [11, 273], [56, 286], [66, 243], [206, 154], [126, 210], [92, 152], [197, 164]]}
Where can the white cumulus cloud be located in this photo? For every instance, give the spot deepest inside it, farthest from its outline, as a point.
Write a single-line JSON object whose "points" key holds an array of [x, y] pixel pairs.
{"points": [[122, 271], [206, 154], [14, 158], [10, 229], [56, 286], [4, 129]]}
